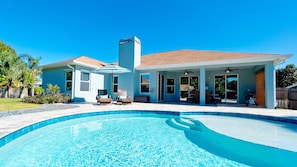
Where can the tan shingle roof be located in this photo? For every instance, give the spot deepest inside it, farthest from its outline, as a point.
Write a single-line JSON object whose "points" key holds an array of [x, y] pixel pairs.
{"points": [[83, 60], [189, 56], [90, 61]]}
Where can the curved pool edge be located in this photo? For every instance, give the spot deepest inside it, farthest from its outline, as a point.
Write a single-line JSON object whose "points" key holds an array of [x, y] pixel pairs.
{"points": [[246, 115], [26, 129]]}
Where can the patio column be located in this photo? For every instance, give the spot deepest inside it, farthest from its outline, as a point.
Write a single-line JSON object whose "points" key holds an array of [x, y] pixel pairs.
{"points": [[270, 85], [202, 86]]}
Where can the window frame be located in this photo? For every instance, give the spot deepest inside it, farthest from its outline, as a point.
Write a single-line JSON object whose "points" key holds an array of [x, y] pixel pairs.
{"points": [[85, 81], [68, 80], [115, 84], [170, 86], [141, 84]]}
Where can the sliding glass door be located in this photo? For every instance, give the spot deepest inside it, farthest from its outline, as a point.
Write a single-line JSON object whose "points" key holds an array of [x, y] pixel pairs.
{"points": [[226, 87], [188, 86]]}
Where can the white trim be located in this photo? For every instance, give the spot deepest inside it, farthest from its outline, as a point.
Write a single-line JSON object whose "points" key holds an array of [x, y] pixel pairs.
{"points": [[86, 71], [85, 64], [68, 62], [170, 86], [89, 82], [112, 83]]}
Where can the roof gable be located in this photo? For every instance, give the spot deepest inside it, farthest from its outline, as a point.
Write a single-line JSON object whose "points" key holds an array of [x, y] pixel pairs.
{"points": [[89, 61], [82, 61]]}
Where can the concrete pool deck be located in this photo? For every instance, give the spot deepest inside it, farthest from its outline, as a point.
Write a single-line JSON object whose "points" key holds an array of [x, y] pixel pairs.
{"points": [[11, 122]]}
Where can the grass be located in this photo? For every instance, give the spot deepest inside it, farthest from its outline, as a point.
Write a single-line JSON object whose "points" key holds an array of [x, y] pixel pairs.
{"points": [[15, 104]]}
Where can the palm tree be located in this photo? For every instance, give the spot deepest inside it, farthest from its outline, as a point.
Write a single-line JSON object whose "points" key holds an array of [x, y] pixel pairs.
{"points": [[30, 74]]}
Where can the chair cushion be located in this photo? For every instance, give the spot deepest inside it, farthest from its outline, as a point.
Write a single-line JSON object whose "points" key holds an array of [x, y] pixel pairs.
{"points": [[103, 96], [122, 97]]}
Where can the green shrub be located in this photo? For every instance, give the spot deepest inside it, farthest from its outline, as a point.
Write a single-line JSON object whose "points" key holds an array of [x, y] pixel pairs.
{"points": [[38, 91], [53, 96], [52, 89], [48, 99]]}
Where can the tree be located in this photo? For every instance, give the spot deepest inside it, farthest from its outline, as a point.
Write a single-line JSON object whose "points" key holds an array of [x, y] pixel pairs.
{"points": [[7, 48], [286, 76], [10, 70], [17, 71], [30, 74]]}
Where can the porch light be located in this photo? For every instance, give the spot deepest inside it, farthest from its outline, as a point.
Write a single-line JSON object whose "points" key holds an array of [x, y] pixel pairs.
{"points": [[186, 72]]}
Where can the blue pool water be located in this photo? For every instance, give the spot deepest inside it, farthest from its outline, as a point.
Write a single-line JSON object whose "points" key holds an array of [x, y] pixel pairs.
{"points": [[136, 139]]}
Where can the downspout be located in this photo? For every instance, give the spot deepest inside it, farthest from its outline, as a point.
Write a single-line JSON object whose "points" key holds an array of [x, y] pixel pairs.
{"points": [[72, 84]]}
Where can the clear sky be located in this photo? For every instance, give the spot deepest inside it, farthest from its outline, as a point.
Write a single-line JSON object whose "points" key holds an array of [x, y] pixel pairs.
{"points": [[61, 29]]}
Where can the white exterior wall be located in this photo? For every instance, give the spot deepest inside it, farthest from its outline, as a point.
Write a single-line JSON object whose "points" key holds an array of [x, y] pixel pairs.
{"points": [[96, 82]]}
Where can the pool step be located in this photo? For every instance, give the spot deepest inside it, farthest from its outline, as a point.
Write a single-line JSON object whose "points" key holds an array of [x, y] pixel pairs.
{"points": [[185, 124]]}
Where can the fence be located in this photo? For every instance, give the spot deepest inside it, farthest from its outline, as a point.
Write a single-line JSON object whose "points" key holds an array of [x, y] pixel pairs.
{"points": [[15, 92], [286, 98]]}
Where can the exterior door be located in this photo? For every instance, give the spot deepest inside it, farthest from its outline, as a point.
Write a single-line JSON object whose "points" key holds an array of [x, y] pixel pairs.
{"points": [[161, 88], [226, 87], [260, 88], [188, 87]]}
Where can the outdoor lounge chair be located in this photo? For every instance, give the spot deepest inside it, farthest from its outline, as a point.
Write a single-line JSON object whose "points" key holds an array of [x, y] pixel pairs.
{"points": [[103, 97], [123, 98]]}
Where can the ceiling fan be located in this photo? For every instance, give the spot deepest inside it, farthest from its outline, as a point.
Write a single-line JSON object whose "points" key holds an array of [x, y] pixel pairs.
{"points": [[228, 70], [187, 72]]}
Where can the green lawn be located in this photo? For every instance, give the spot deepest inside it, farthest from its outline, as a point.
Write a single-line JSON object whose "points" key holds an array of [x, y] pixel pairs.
{"points": [[14, 104]]}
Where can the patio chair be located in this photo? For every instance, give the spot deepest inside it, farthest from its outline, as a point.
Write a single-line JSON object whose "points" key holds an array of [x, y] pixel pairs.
{"points": [[123, 98], [103, 97]]}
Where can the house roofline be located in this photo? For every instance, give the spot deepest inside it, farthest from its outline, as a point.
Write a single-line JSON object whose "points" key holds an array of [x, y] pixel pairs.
{"points": [[277, 59], [84, 64], [72, 61]]}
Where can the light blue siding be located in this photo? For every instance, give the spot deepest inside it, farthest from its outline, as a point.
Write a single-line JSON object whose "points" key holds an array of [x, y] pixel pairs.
{"points": [[58, 76], [55, 76]]}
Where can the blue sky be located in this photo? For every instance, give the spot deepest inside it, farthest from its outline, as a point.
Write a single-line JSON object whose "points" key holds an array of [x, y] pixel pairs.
{"points": [[57, 30]]}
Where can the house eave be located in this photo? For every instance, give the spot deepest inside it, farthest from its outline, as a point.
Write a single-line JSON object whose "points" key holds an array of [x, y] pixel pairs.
{"points": [[277, 59], [85, 64], [55, 65], [64, 64]]}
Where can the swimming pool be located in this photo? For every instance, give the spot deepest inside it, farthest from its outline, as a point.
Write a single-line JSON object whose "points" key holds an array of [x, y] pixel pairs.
{"points": [[134, 139]]}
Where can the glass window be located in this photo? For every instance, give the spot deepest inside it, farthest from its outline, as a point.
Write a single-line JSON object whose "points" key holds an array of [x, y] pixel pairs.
{"points": [[170, 86], [69, 75], [68, 80], [84, 86], [115, 83], [144, 83], [68, 85], [84, 81], [84, 76]]}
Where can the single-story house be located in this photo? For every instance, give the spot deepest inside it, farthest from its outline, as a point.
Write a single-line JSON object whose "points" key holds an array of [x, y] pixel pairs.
{"points": [[173, 76]]}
